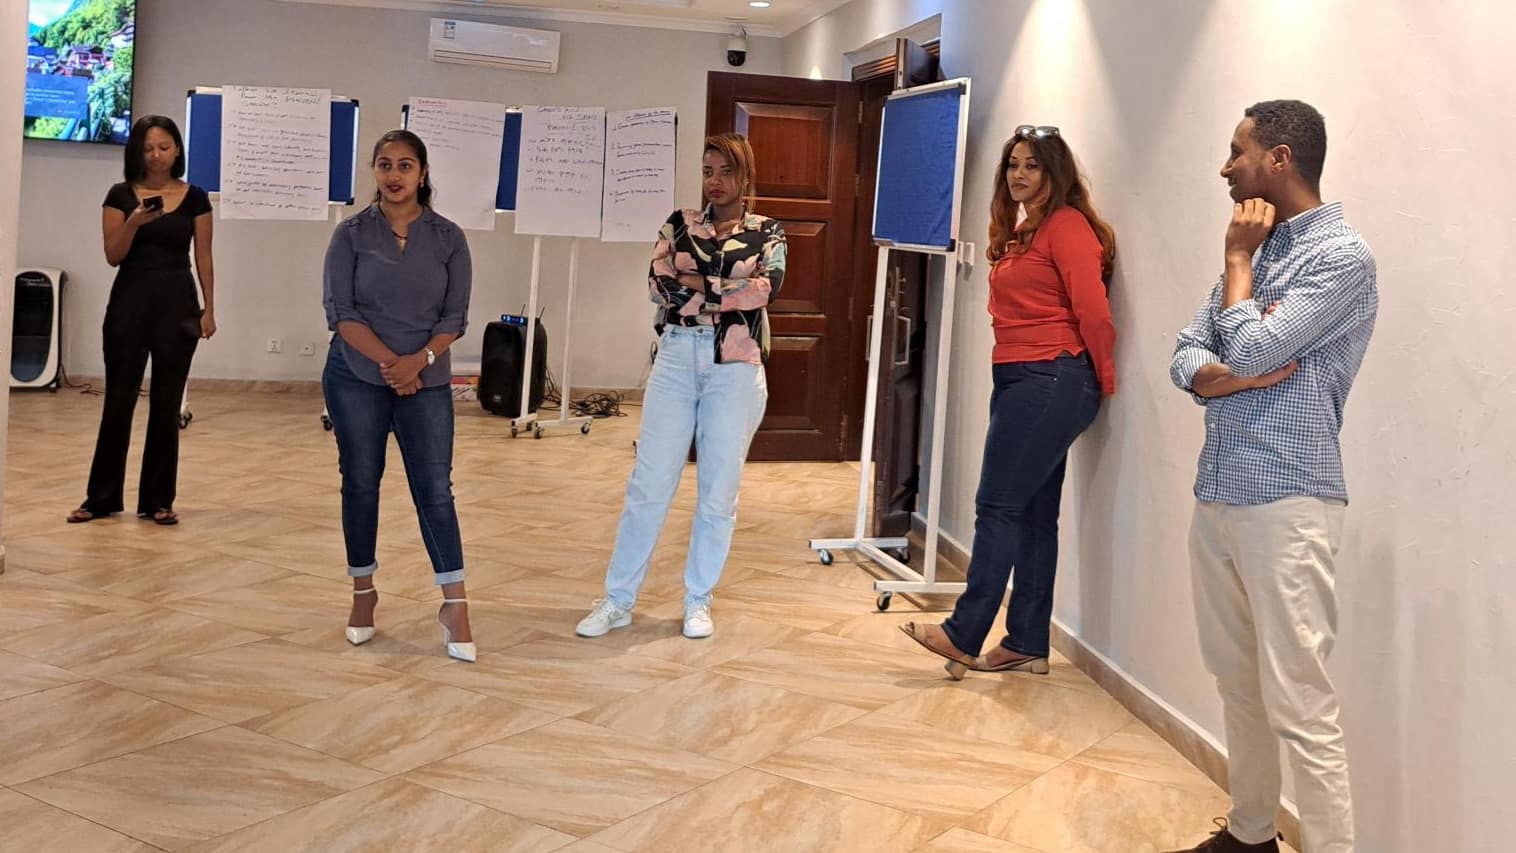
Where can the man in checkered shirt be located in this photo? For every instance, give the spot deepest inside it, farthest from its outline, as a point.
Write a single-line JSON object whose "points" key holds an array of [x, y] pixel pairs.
{"points": [[1272, 355]]}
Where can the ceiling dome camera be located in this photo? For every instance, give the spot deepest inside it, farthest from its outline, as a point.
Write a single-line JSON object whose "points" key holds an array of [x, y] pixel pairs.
{"points": [[736, 48]]}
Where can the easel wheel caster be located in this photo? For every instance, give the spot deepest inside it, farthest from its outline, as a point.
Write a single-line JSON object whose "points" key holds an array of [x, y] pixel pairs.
{"points": [[883, 602], [537, 432], [825, 556], [326, 423], [185, 418], [901, 554], [514, 431], [584, 429]]}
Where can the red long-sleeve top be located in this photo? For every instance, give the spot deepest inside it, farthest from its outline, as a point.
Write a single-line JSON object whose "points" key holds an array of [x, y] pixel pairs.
{"points": [[1051, 299]]}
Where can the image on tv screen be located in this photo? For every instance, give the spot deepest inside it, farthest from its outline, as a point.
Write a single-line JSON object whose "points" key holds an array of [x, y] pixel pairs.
{"points": [[79, 69]]}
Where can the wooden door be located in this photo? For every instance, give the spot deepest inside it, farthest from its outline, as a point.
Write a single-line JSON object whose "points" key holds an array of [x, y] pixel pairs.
{"points": [[897, 431], [902, 368], [914, 65], [805, 139]]}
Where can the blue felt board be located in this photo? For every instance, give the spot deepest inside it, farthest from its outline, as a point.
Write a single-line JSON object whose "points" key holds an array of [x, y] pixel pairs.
{"points": [[203, 125], [919, 158], [510, 158]]}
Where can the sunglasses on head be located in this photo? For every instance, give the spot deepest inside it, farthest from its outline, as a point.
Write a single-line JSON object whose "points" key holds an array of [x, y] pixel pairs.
{"points": [[1027, 131]]}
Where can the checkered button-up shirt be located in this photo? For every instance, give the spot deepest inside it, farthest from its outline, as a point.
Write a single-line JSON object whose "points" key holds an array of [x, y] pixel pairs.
{"points": [[1265, 444]]}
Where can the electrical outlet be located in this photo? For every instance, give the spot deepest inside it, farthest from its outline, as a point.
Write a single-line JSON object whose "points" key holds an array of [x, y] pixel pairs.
{"points": [[308, 349], [275, 345]]}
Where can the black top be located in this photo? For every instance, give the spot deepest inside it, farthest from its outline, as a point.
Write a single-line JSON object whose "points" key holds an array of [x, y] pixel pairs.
{"points": [[163, 243]]}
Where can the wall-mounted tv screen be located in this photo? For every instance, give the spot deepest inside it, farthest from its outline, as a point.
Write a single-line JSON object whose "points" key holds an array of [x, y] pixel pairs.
{"points": [[79, 69]]}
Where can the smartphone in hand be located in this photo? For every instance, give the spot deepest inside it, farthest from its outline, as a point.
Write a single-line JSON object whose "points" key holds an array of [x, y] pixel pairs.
{"points": [[153, 202]]}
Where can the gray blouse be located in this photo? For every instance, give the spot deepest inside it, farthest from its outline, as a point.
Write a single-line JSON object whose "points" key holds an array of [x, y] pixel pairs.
{"points": [[405, 297]]}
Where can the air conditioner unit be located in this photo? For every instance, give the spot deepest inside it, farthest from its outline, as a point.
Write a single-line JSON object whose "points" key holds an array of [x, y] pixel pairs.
{"points": [[493, 46]]}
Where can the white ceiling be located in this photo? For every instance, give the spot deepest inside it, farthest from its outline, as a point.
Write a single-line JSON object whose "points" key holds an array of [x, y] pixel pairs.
{"points": [[780, 19]]}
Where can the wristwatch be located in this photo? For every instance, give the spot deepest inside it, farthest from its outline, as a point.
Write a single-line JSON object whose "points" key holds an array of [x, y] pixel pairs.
{"points": [[431, 357]]}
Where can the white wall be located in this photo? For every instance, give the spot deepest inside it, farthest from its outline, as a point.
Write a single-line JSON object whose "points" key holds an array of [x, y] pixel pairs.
{"points": [[12, 85], [269, 274], [1419, 116]]}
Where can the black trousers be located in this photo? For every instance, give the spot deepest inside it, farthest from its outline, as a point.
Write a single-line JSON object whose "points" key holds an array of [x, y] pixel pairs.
{"points": [[152, 314]]}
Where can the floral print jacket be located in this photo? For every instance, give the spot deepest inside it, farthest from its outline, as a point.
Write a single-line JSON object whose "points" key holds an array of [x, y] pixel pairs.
{"points": [[740, 275]]}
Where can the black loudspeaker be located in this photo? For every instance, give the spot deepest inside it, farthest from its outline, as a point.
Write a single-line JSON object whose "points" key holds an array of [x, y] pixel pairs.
{"points": [[500, 372]]}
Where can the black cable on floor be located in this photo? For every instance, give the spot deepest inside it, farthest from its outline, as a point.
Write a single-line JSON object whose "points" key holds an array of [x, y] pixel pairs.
{"points": [[84, 387], [601, 405]]}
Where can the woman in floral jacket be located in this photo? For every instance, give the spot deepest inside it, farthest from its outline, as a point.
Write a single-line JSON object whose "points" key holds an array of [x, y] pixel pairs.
{"points": [[714, 272]]}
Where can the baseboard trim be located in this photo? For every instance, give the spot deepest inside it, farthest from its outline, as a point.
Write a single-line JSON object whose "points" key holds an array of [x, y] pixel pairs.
{"points": [[1186, 736], [312, 386], [236, 386]]}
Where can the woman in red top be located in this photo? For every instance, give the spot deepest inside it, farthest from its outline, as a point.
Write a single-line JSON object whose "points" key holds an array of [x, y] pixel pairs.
{"points": [[1052, 363]]}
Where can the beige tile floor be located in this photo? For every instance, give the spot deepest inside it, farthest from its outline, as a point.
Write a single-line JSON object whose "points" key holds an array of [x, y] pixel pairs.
{"points": [[189, 688]]}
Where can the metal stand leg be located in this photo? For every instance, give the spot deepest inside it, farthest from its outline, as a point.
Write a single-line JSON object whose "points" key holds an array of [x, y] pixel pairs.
{"points": [[581, 423], [526, 418], [877, 548]]}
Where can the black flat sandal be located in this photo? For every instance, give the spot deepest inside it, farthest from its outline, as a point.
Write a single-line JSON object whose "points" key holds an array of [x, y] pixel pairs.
{"points": [[84, 514], [164, 517]]}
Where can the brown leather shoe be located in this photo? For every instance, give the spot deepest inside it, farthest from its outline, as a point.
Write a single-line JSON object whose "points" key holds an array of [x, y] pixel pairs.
{"points": [[1222, 841]]}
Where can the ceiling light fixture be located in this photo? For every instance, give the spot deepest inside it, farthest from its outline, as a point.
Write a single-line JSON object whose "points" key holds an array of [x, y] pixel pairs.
{"points": [[759, 4]]}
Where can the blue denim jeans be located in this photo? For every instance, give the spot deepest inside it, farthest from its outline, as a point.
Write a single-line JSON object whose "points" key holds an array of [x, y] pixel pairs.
{"points": [[363, 416], [1037, 410], [720, 406]]}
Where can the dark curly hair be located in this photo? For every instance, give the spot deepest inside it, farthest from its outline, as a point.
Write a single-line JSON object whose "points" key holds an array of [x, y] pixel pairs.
{"points": [[1298, 125]]}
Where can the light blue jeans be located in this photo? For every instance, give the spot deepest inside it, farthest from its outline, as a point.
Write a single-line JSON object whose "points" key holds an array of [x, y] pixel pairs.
{"points": [[720, 406]]}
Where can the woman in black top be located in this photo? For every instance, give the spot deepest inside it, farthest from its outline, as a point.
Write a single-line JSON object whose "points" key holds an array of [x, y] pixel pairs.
{"points": [[150, 221]]}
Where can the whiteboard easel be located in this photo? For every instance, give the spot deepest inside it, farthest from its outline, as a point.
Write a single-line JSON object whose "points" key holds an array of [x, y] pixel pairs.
{"points": [[566, 392], [548, 214], [527, 418], [203, 168], [874, 548]]}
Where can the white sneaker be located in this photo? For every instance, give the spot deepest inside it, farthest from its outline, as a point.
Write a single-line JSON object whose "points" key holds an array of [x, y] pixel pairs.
{"points": [[697, 622], [605, 616]]}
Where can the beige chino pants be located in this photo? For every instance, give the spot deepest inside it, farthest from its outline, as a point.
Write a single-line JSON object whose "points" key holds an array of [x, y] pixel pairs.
{"points": [[1266, 606]]}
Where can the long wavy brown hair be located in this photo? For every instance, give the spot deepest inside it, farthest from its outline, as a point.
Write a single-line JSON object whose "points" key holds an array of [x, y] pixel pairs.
{"points": [[1063, 186]]}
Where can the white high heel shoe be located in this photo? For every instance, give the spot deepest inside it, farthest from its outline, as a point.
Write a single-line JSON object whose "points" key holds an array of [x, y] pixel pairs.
{"points": [[360, 634], [459, 651]]}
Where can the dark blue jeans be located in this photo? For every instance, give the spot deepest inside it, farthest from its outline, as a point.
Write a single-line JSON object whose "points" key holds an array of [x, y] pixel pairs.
{"points": [[363, 416], [1037, 410]]}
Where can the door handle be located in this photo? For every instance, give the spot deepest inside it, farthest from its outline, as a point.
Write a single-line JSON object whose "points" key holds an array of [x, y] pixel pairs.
{"points": [[903, 343]]}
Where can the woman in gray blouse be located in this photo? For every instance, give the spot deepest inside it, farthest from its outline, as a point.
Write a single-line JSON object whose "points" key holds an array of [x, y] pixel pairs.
{"points": [[396, 291]]}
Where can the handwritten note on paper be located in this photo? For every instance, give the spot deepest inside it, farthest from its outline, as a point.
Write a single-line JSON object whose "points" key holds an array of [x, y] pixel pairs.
{"points": [[275, 152], [562, 173], [639, 173], [463, 146]]}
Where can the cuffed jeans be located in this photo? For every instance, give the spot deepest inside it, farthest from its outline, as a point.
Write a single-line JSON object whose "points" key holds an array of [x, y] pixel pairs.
{"points": [[363, 416]]}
